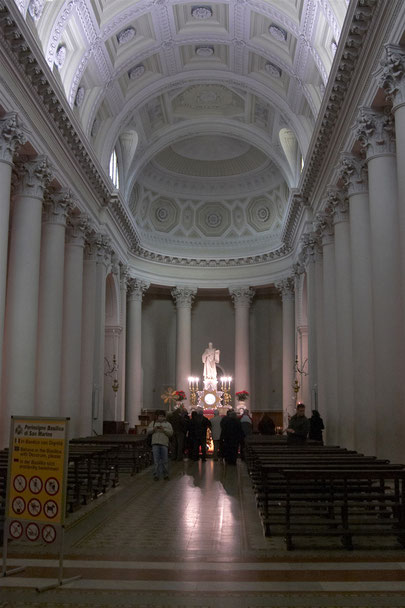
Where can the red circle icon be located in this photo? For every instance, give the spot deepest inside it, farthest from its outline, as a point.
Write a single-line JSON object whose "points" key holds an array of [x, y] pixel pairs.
{"points": [[34, 507], [51, 509], [18, 505], [32, 532], [35, 484], [48, 533], [19, 483], [15, 529], [52, 486]]}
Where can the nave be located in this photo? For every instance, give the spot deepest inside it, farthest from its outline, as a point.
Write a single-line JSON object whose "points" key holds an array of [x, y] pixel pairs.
{"points": [[197, 541]]}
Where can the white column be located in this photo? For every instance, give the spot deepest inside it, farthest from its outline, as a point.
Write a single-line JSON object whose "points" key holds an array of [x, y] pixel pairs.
{"points": [[393, 81], [321, 403], [310, 244], [88, 337], [301, 335], [136, 290], [124, 275], [102, 269], [242, 298], [286, 288], [72, 322], [11, 137], [325, 228], [50, 311], [21, 316], [183, 296], [375, 131], [344, 313], [354, 174]]}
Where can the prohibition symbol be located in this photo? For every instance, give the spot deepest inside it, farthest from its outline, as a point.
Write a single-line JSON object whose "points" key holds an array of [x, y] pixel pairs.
{"points": [[15, 529], [34, 507], [19, 483], [35, 484], [50, 509], [48, 533], [51, 486], [32, 531], [18, 505]]}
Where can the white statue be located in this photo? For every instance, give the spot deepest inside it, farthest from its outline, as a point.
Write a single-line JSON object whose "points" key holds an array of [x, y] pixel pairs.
{"points": [[210, 358]]}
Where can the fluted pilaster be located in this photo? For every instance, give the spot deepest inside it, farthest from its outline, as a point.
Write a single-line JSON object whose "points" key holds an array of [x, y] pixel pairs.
{"points": [[183, 296], [21, 317], [136, 291], [242, 298], [287, 292], [11, 137]]}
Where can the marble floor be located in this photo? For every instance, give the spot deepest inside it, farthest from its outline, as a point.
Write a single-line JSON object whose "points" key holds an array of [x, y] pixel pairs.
{"points": [[196, 540]]}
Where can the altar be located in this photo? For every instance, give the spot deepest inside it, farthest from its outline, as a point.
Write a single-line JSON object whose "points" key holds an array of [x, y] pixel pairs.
{"points": [[210, 398]]}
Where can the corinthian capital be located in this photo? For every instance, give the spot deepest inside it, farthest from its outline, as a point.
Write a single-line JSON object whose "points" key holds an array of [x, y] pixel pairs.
{"points": [[353, 171], [124, 276], [136, 289], [310, 244], [242, 296], [286, 287], [392, 79], [11, 136], [57, 206], [338, 205], [77, 227], [375, 131], [323, 225], [33, 177], [183, 296]]}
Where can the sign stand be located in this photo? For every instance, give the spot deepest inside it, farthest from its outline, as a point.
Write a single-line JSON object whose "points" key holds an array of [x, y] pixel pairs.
{"points": [[36, 486]]}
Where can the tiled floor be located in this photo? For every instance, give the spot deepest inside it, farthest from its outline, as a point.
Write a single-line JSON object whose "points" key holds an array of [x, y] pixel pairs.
{"points": [[197, 541]]}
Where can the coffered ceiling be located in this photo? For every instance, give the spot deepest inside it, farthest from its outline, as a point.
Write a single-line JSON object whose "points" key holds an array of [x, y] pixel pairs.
{"points": [[210, 107]]}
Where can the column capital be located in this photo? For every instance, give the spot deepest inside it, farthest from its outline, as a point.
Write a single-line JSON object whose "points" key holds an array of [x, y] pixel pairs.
{"points": [[11, 137], [124, 276], [375, 131], [353, 171], [324, 226], [286, 287], [136, 289], [338, 205], [183, 296], [77, 226], [57, 206], [392, 79], [310, 243], [33, 177], [242, 296]]}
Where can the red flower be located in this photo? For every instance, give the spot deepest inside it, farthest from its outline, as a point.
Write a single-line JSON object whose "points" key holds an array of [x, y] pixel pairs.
{"points": [[242, 395], [180, 395]]}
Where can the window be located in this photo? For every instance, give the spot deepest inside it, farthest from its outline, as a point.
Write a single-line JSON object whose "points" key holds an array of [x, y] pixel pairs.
{"points": [[114, 170]]}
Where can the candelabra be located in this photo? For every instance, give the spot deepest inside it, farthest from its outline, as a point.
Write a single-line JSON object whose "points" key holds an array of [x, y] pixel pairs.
{"points": [[226, 389], [193, 387]]}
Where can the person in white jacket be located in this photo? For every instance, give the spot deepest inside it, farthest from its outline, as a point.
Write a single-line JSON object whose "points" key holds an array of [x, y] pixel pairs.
{"points": [[161, 431]]}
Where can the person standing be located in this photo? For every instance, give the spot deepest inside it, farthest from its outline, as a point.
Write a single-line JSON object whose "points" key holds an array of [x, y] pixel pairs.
{"points": [[231, 437], [247, 429], [216, 433], [266, 425], [316, 427], [298, 427], [161, 431], [179, 422]]}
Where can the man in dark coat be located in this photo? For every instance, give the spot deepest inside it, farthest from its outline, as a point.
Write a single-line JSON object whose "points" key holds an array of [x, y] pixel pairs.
{"points": [[298, 427], [231, 436]]}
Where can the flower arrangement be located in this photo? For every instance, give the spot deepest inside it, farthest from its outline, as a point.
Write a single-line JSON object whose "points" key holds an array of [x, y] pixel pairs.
{"points": [[242, 395], [180, 395]]}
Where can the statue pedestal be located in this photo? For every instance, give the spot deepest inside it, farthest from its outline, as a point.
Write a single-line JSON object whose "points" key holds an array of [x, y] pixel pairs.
{"points": [[210, 385]]}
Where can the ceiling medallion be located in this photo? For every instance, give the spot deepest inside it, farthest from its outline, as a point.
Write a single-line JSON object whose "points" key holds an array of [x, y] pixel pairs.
{"points": [[263, 214], [35, 9], [161, 214], [273, 70], [60, 56], [136, 72], [126, 35], [204, 51], [201, 12], [79, 97], [278, 33], [213, 220]]}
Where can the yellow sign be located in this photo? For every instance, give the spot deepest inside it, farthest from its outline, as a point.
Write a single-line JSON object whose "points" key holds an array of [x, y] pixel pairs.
{"points": [[38, 451]]}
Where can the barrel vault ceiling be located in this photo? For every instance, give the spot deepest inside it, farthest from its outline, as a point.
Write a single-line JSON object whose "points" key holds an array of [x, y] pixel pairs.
{"points": [[210, 107]]}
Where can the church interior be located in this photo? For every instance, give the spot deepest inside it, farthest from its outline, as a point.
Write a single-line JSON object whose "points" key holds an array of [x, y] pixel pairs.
{"points": [[202, 204]]}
